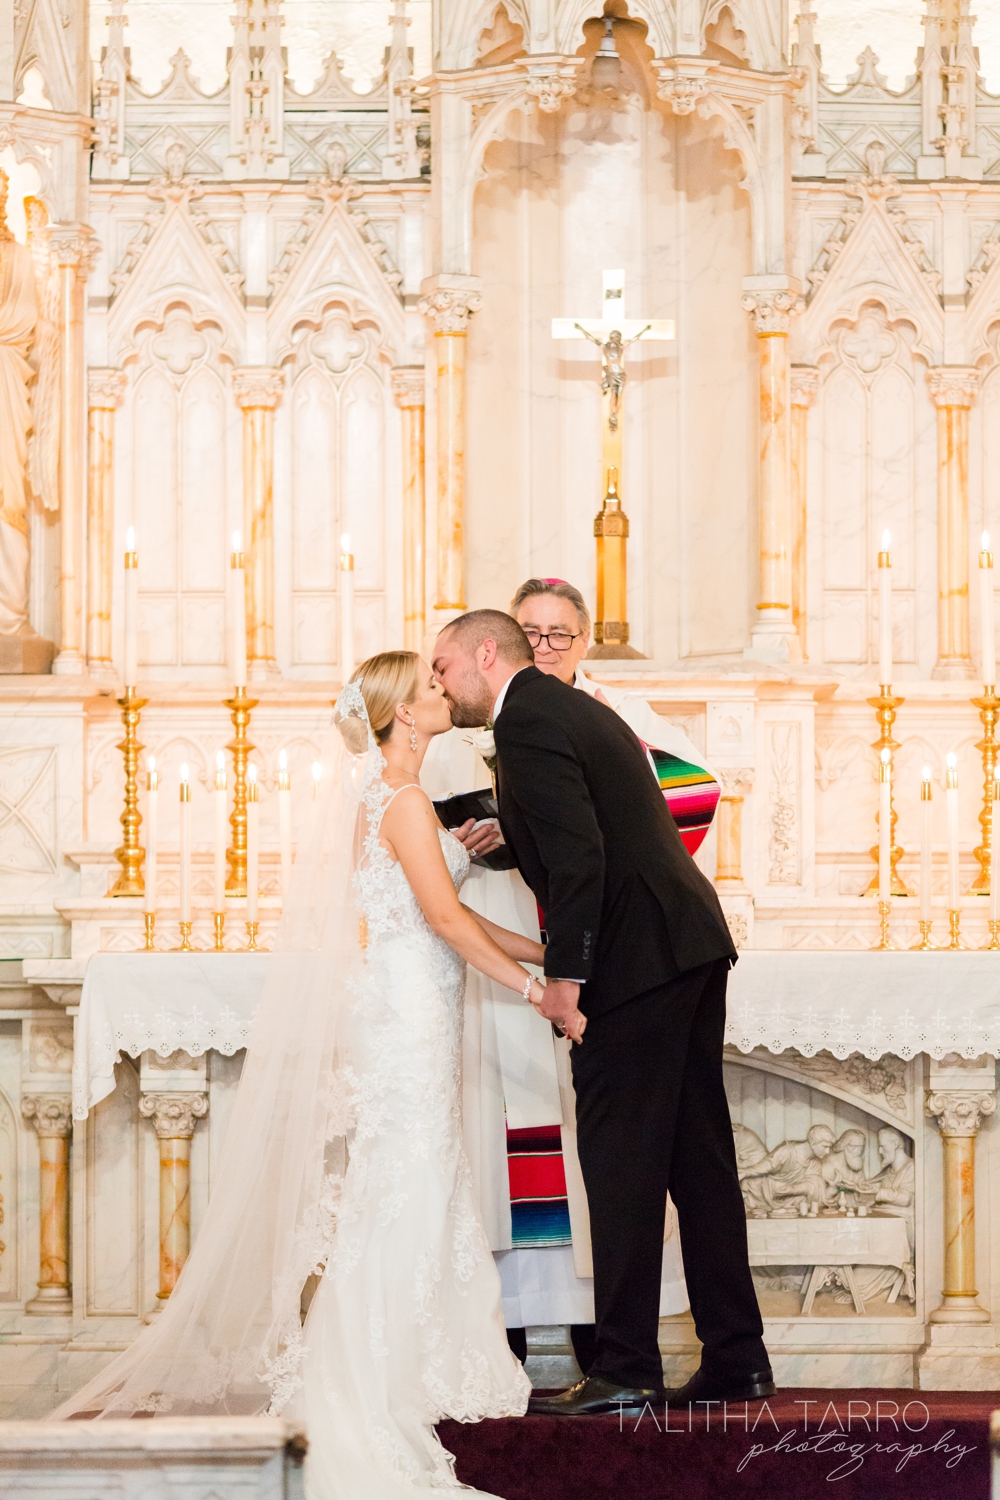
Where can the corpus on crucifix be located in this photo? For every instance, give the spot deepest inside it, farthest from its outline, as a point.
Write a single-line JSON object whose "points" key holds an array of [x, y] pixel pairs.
{"points": [[612, 333]]}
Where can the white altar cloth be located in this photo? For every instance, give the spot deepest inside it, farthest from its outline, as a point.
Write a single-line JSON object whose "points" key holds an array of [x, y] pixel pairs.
{"points": [[874, 1003], [902, 1003], [160, 1002]]}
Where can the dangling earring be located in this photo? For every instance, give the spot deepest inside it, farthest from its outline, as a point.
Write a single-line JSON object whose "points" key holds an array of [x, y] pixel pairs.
{"points": [[413, 735]]}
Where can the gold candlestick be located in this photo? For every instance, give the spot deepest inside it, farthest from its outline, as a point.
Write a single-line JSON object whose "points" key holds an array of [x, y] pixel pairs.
{"points": [[954, 939], [236, 855], [131, 853], [925, 944], [994, 941], [885, 706], [884, 909], [149, 928], [252, 930], [219, 923], [989, 709], [185, 943]]}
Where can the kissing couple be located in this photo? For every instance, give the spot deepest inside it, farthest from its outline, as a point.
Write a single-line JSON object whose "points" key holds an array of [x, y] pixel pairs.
{"points": [[341, 1275]]}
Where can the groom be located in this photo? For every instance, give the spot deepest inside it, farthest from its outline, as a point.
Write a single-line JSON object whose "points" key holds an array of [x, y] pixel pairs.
{"points": [[637, 939]]}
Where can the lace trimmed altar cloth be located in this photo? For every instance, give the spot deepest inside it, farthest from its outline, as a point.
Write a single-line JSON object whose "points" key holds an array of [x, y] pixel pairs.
{"points": [[873, 1003]]}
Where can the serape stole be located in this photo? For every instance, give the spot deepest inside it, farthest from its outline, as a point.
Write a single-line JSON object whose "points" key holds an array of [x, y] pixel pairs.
{"points": [[539, 1211], [690, 792]]}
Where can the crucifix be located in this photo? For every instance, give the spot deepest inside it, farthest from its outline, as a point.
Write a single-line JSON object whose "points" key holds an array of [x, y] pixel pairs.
{"points": [[612, 333]]}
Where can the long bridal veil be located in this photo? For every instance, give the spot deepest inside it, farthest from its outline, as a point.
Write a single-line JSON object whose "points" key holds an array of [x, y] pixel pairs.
{"points": [[228, 1341]]}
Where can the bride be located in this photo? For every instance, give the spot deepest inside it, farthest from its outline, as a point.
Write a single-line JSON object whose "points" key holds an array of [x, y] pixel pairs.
{"points": [[342, 1167]]}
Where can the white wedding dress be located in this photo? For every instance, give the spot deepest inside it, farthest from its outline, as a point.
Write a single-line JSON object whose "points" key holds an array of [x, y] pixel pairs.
{"points": [[406, 1326]]}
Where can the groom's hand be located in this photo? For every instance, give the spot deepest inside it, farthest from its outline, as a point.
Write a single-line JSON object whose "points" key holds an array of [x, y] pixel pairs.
{"points": [[560, 1003], [479, 840]]}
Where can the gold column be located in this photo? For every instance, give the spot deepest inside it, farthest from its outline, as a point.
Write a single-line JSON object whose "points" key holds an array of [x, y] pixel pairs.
{"points": [[174, 1116], [73, 249], [959, 1114], [953, 390], [50, 1117], [774, 633], [408, 390], [804, 384], [449, 302], [736, 783], [105, 391], [611, 531], [257, 389]]}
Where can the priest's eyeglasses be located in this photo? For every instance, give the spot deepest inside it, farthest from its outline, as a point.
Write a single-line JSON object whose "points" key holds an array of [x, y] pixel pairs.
{"points": [[556, 640]]}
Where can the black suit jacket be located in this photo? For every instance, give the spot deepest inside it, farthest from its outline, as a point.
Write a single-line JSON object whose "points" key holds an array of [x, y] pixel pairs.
{"points": [[626, 907]]}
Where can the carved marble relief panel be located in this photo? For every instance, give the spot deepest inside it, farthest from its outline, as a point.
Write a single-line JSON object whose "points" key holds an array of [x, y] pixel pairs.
{"points": [[825, 1181], [784, 770]]}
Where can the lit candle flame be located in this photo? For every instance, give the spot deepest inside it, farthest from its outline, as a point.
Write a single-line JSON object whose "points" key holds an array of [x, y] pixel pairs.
{"points": [[886, 757], [220, 760], [317, 772], [150, 762], [282, 760], [237, 541], [986, 541], [252, 774], [130, 539], [185, 774], [886, 540], [926, 773], [952, 761], [345, 542]]}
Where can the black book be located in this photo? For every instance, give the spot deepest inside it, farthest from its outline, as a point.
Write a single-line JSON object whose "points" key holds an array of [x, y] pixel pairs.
{"points": [[454, 811]]}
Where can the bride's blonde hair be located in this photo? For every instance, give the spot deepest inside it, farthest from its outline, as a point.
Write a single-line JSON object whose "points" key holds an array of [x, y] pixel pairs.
{"points": [[385, 681]]}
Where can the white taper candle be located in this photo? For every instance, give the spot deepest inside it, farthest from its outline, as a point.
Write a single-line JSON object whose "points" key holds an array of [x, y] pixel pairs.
{"points": [[885, 612], [253, 843], [285, 823], [986, 625], [927, 847], [238, 614], [152, 818], [885, 826], [346, 608], [951, 799], [221, 809], [131, 609], [184, 893]]}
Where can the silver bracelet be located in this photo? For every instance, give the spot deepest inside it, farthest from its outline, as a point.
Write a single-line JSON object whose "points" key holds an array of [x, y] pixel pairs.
{"points": [[527, 986]]}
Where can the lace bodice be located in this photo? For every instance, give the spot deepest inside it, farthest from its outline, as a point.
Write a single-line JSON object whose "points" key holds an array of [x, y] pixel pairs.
{"points": [[385, 898]]}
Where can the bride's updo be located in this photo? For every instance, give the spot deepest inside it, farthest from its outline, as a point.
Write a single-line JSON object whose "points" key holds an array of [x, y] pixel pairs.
{"points": [[385, 681]]}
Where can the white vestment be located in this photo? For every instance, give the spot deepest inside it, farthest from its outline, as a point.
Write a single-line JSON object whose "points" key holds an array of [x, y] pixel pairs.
{"points": [[517, 1074]]}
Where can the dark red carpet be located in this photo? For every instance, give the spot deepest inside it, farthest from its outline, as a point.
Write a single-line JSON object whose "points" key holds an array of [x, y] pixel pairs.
{"points": [[851, 1445]]}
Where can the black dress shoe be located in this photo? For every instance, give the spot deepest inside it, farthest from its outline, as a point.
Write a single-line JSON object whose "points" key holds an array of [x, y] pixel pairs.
{"points": [[594, 1397], [705, 1387]]}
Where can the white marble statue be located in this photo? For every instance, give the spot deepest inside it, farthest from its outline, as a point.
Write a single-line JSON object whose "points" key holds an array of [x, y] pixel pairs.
{"points": [[895, 1197], [18, 317]]}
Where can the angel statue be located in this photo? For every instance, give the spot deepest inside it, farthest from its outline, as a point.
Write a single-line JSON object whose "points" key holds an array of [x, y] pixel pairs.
{"points": [[18, 318], [612, 366]]}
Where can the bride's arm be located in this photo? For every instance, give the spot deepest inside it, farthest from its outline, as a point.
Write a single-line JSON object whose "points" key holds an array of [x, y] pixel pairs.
{"points": [[514, 944], [410, 827]]}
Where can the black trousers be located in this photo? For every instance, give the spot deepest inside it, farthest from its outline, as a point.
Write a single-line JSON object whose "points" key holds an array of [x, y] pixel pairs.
{"points": [[652, 1115]]}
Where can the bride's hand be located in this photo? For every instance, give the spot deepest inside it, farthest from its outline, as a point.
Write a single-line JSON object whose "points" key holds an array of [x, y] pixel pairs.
{"points": [[557, 1002]]}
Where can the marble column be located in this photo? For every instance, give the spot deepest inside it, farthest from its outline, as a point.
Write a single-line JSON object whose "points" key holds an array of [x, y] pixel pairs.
{"points": [[408, 390], [736, 784], [953, 390], [774, 636], [174, 1116], [73, 250], [804, 384], [448, 302], [959, 1114], [105, 391], [50, 1117], [257, 389]]}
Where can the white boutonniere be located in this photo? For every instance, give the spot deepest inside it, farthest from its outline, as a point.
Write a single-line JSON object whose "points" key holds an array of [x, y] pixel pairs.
{"points": [[483, 742]]}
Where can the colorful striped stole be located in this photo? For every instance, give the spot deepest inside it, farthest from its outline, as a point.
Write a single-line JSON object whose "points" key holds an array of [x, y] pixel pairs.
{"points": [[690, 792], [539, 1212]]}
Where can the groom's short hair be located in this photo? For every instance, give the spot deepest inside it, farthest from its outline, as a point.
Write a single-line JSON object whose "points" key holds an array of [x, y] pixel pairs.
{"points": [[481, 625]]}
